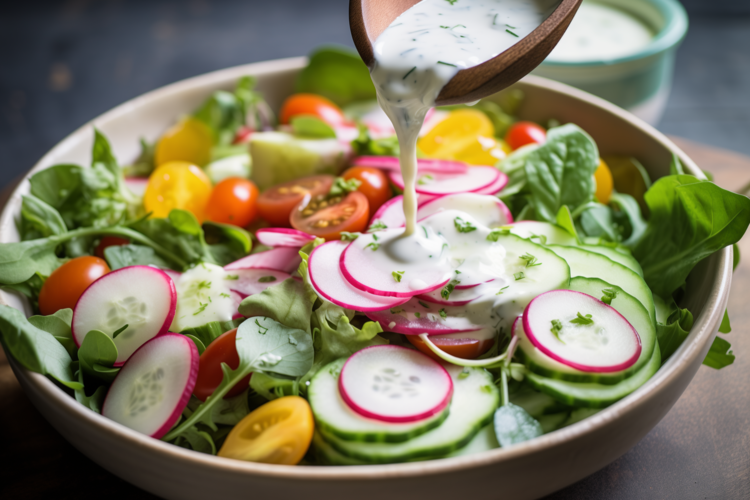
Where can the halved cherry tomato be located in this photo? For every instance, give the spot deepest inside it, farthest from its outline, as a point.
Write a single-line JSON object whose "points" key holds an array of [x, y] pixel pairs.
{"points": [[327, 217], [311, 104], [523, 133], [374, 185], [604, 182], [66, 283], [222, 350], [276, 204], [189, 140], [279, 432], [233, 201], [460, 348], [109, 241], [177, 184]]}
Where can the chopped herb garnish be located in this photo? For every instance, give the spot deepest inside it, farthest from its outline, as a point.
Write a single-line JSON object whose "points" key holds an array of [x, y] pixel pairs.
{"points": [[457, 271], [494, 20], [204, 284], [456, 26], [446, 27], [487, 389], [511, 27], [201, 308], [443, 248], [396, 310], [425, 231], [451, 1], [397, 275], [263, 328], [267, 279], [463, 226], [500, 292], [119, 331], [530, 260], [378, 225], [423, 304], [373, 245], [347, 236], [519, 276], [464, 373], [231, 277], [410, 71], [582, 320], [496, 233], [448, 289], [424, 179], [509, 31], [225, 295], [447, 64], [443, 314], [342, 186], [556, 327], [375, 237], [609, 295], [418, 315]]}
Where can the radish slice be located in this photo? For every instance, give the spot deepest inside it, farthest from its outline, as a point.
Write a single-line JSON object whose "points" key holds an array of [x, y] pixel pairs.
{"points": [[394, 384], [391, 163], [153, 388], [460, 296], [418, 316], [391, 213], [474, 180], [252, 281], [236, 301], [486, 210], [329, 282], [605, 342], [498, 186], [136, 185], [283, 237], [142, 297], [370, 261], [172, 274], [285, 259]]}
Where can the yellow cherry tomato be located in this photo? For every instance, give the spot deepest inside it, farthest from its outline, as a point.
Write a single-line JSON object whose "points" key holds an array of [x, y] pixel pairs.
{"points": [[189, 140], [177, 184], [604, 184], [279, 432], [465, 135]]}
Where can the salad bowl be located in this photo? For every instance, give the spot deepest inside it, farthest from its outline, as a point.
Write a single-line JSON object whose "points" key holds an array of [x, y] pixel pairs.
{"points": [[527, 470]]}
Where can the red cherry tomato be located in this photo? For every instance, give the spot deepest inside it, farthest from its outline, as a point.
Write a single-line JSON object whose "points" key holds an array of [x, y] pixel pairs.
{"points": [[311, 104], [233, 201], [66, 283], [243, 135], [276, 204], [374, 185], [109, 241], [222, 350], [460, 348], [328, 217], [523, 133]]}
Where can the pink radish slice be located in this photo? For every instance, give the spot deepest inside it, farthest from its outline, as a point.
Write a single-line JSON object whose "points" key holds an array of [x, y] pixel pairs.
{"points": [[391, 163], [609, 344], [418, 316], [394, 384], [142, 297], [391, 213], [459, 296], [485, 209], [367, 264], [136, 185], [154, 386], [437, 184], [328, 281], [252, 281], [285, 259], [498, 186], [283, 237]]}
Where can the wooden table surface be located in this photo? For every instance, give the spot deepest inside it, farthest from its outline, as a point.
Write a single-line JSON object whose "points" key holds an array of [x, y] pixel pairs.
{"points": [[701, 450]]}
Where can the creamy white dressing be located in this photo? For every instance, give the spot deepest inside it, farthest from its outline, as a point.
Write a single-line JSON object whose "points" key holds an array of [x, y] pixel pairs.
{"points": [[601, 32]]}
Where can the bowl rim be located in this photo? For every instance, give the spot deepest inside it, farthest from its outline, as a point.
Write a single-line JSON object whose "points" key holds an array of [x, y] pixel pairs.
{"points": [[669, 36], [682, 359]]}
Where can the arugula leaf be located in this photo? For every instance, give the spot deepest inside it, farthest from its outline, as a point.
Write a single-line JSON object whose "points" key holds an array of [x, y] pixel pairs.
{"points": [[290, 303], [97, 356], [35, 349], [560, 172], [270, 387], [337, 73], [690, 220], [58, 325], [311, 127], [228, 411], [514, 425], [120, 256], [720, 354]]}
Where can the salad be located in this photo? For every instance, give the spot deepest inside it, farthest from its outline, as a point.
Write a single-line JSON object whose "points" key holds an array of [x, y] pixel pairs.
{"points": [[240, 289]]}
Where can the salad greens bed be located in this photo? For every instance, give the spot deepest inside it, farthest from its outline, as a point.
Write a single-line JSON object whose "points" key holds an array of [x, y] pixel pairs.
{"points": [[668, 225]]}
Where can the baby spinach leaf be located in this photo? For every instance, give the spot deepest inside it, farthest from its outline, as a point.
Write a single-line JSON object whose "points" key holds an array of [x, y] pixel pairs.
{"points": [[290, 303], [720, 354], [96, 400], [120, 256], [690, 220], [597, 221], [311, 127], [97, 356], [226, 243], [20, 261], [58, 325], [514, 425], [39, 220], [337, 73], [629, 216], [35, 349], [57, 185], [560, 172], [725, 326]]}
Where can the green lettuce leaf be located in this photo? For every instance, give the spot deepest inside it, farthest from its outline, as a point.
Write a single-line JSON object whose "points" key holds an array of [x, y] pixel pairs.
{"points": [[58, 325], [720, 354], [290, 303], [337, 73]]}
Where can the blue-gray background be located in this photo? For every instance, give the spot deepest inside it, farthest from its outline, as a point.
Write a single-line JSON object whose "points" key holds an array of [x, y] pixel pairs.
{"points": [[64, 62]]}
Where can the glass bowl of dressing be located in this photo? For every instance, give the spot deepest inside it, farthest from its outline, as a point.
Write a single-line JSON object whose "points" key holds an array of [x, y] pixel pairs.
{"points": [[622, 51]]}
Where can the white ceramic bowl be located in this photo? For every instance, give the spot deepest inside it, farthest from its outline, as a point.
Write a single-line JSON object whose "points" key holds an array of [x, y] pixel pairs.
{"points": [[527, 470]]}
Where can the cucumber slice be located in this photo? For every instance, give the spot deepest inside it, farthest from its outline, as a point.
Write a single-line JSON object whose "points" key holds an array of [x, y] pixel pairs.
{"points": [[334, 416], [593, 265], [203, 297], [536, 403], [592, 395], [625, 259], [475, 398], [543, 233], [553, 421], [626, 305], [485, 440]]}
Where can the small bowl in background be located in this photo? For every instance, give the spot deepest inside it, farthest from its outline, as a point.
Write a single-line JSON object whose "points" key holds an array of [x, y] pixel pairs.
{"points": [[639, 82]]}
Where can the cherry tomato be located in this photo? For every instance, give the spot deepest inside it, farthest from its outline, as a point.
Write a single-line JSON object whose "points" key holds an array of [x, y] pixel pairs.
{"points": [[327, 217], [233, 201], [243, 135], [465, 135], [604, 182], [109, 241], [461, 348], [66, 283], [189, 140], [222, 350], [311, 104], [279, 432], [523, 133], [374, 185], [177, 184], [276, 204]]}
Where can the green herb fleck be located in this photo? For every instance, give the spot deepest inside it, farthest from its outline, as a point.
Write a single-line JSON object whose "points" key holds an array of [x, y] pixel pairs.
{"points": [[397, 275], [447, 64], [501, 290], [609, 295], [530, 260], [231, 277], [582, 320], [225, 295], [496, 233], [448, 289], [464, 373], [409, 72], [556, 327], [267, 279], [263, 330], [204, 284], [378, 225], [457, 271], [443, 314], [511, 27], [494, 20], [463, 226], [418, 315], [119, 331], [519, 276], [396, 310], [347, 236], [423, 304], [425, 231], [201, 308], [373, 245], [342, 186], [451, 1], [424, 179], [509, 31], [486, 388]]}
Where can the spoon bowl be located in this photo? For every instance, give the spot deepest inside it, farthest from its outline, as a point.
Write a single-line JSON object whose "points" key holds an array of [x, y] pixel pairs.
{"points": [[369, 18]]}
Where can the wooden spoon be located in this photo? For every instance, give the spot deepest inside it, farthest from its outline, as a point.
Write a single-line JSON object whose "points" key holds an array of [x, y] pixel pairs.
{"points": [[369, 18]]}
